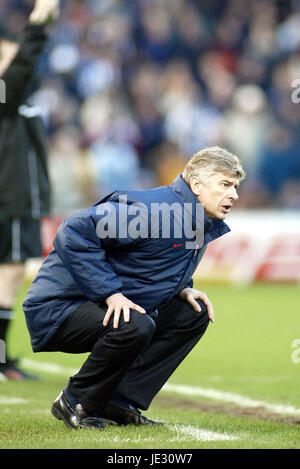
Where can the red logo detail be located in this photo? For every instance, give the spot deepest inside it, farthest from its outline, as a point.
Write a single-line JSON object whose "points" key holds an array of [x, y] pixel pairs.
{"points": [[176, 245]]}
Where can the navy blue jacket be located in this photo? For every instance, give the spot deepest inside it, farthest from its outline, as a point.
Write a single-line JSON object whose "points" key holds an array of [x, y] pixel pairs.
{"points": [[139, 258]]}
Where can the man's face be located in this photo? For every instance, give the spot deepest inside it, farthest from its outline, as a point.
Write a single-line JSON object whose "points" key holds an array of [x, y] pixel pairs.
{"points": [[217, 194], [8, 51]]}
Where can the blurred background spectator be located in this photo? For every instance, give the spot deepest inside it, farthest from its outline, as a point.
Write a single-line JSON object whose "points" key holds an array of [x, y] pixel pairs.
{"points": [[130, 89]]}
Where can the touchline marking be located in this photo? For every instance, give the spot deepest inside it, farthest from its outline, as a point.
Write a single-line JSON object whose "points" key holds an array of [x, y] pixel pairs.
{"points": [[194, 433], [6, 400], [214, 394], [51, 368], [178, 433], [230, 397]]}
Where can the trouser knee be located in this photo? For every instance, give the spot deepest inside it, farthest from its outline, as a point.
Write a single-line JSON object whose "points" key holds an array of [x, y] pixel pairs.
{"points": [[142, 328], [191, 321], [202, 316]]}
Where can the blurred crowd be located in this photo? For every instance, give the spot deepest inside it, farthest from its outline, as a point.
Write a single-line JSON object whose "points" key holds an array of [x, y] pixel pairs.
{"points": [[130, 89]]}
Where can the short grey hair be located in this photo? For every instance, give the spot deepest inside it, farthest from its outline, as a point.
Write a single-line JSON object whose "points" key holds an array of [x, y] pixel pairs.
{"points": [[211, 160]]}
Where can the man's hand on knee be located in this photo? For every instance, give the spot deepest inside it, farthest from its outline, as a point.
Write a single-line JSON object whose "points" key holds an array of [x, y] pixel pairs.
{"points": [[191, 295], [117, 304]]}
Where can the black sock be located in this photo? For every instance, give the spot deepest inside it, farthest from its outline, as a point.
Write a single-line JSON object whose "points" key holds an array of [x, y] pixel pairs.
{"points": [[70, 398], [121, 401]]}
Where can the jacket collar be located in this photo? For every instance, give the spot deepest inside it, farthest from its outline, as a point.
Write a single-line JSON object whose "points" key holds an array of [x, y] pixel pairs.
{"points": [[212, 228]]}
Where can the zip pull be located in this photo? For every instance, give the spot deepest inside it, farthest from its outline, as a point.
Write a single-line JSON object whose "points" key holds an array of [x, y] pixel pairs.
{"points": [[195, 251]]}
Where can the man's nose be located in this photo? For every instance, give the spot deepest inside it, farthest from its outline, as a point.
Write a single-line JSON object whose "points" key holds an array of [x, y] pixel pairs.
{"points": [[234, 194]]}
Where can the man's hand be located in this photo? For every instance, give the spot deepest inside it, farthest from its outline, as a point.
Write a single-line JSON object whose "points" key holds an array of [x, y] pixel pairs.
{"points": [[191, 295], [116, 304], [44, 11]]}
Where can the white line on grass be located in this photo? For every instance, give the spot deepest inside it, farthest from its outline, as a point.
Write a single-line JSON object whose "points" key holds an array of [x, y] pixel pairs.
{"points": [[7, 400], [46, 367], [230, 397], [177, 433], [194, 391], [194, 433]]}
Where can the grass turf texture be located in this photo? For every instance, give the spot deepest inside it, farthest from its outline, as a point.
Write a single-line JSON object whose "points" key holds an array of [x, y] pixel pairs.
{"points": [[246, 351]]}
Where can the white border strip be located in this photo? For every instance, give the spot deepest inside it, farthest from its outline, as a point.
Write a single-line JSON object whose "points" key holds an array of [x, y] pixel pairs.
{"points": [[7, 400], [200, 434], [231, 398], [46, 367], [193, 391]]}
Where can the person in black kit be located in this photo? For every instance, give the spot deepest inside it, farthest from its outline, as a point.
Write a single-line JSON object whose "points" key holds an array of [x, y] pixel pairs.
{"points": [[24, 181]]}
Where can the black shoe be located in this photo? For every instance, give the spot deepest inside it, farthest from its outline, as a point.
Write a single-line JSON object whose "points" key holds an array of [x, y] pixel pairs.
{"points": [[127, 416], [77, 418]]}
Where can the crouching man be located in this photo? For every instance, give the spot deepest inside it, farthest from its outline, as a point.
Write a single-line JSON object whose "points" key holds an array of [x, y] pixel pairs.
{"points": [[118, 284]]}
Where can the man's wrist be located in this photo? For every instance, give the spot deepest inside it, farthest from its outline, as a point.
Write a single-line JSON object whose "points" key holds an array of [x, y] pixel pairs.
{"points": [[113, 294], [182, 292]]}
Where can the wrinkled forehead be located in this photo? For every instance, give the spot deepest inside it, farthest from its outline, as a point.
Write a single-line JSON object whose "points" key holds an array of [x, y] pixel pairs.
{"points": [[220, 177]]}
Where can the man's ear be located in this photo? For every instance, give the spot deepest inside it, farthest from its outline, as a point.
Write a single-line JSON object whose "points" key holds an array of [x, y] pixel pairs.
{"points": [[196, 186]]}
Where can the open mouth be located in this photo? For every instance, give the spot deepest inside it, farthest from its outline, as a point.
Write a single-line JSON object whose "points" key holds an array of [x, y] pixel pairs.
{"points": [[226, 208]]}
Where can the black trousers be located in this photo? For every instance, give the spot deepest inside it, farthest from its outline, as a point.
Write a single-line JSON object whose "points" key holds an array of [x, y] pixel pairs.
{"points": [[134, 360]]}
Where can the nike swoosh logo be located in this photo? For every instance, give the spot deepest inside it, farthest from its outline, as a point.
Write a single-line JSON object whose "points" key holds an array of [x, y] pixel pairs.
{"points": [[176, 245]]}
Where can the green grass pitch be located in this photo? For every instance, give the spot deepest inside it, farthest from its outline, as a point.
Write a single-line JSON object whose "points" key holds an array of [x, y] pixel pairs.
{"points": [[247, 353]]}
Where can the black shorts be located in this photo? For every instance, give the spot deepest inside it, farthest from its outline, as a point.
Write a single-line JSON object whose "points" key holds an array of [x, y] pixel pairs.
{"points": [[20, 239]]}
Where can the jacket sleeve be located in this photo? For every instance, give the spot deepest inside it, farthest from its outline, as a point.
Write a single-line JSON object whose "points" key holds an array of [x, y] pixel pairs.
{"points": [[190, 283], [84, 253], [19, 74]]}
